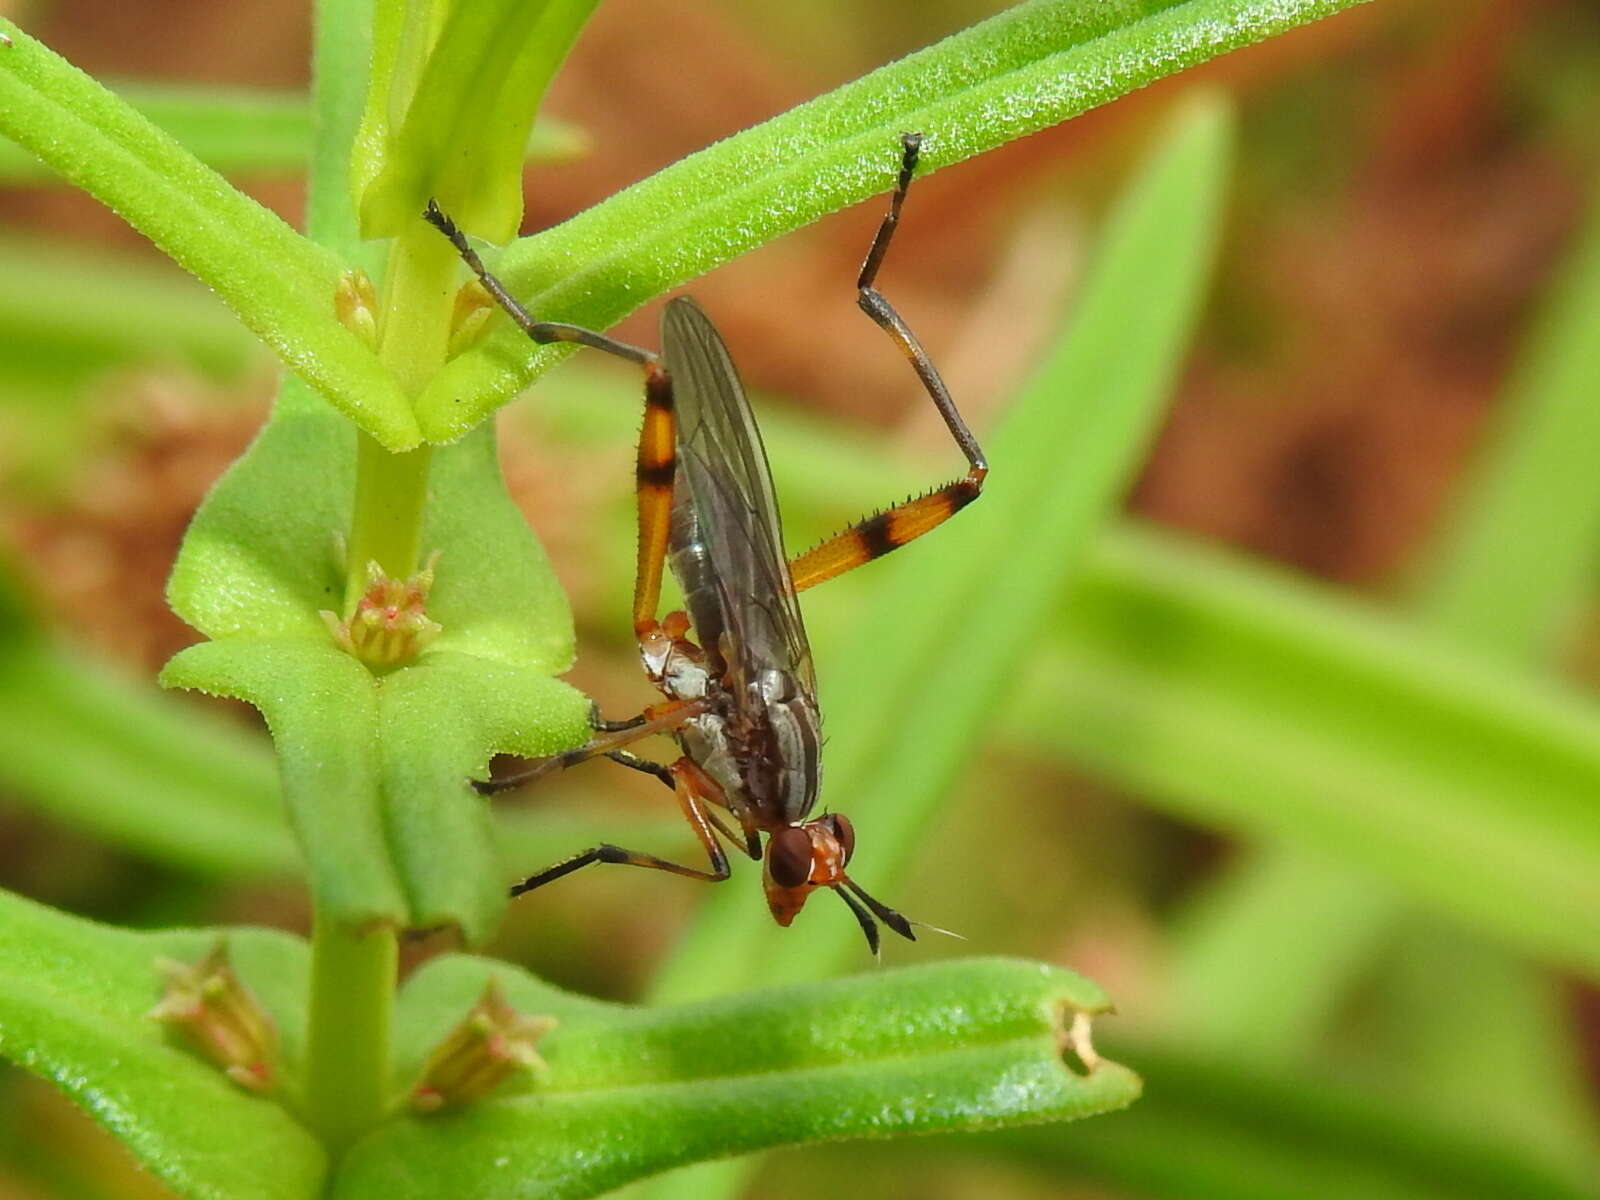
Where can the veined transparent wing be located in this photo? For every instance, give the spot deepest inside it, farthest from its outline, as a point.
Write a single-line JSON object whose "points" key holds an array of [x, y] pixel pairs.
{"points": [[725, 503]]}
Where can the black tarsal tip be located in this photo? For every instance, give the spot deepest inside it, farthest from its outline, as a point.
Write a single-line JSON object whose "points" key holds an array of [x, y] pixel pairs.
{"points": [[899, 924], [435, 216], [864, 919], [883, 912]]}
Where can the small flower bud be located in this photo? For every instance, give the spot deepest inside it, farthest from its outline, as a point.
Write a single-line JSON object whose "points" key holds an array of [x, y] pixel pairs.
{"points": [[390, 625], [355, 302], [474, 306], [492, 1042], [220, 1017]]}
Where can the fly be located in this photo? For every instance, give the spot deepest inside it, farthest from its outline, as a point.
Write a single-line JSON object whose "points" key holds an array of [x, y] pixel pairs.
{"points": [[741, 695]]}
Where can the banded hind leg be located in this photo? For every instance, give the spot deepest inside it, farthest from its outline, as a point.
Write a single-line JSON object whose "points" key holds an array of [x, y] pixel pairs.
{"points": [[695, 790], [656, 464], [874, 536], [655, 471]]}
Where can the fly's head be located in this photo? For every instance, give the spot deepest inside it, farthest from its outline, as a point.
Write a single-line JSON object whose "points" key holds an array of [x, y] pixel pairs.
{"points": [[802, 858]]}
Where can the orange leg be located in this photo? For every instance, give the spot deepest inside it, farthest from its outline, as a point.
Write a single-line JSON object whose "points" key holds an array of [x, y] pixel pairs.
{"points": [[654, 472], [711, 791], [874, 536], [657, 461], [748, 841], [694, 790], [658, 718]]}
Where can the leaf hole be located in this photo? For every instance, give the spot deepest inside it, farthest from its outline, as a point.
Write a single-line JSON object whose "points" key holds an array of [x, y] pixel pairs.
{"points": [[1077, 1047]]}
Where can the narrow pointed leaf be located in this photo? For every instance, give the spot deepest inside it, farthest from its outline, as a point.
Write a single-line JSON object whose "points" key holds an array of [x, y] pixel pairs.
{"points": [[116, 758], [247, 131], [1512, 578], [1023, 70], [1212, 1127], [1238, 696], [628, 1091], [280, 284], [1516, 570]]}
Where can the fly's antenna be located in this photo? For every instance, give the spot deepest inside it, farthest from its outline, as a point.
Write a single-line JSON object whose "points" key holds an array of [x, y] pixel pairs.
{"points": [[864, 919], [882, 911]]}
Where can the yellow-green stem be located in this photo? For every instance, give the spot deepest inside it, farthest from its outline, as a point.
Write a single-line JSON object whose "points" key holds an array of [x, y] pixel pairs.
{"points": [[353, 972], [391, 489], [347, 1040]]}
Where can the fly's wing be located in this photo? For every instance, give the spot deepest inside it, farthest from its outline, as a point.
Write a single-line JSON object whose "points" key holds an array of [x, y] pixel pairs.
{"points": [[732, 512]]}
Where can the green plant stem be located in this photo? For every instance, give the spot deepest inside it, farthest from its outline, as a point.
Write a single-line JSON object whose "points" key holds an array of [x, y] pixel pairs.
{"points": [[347, 1034], [391, 489], [390, 493]]}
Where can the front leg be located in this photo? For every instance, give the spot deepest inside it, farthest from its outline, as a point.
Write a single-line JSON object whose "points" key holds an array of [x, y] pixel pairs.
{"points": [[658, 718], [691, 785]]}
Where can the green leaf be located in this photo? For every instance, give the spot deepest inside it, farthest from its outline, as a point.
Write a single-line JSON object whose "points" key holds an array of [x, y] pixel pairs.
{"points": [[322, 708], [280, 285], [1290, 915], [1516, 572], [400, 34], [1028, 68], [149, 773], [229, 129], [136, 769], [628, 1092], [344, 53], [1511, 579], [259, 558], [1211, 1128], [73, 999], [90, 310], [467, 122], [441, 721], [239, 131], [1235, 695], [1410, 1044], [375, 769], [909, 698]]}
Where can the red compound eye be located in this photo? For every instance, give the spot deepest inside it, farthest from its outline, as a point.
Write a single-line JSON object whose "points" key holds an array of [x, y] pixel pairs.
{"points": [[789, 856], [845, 832]]}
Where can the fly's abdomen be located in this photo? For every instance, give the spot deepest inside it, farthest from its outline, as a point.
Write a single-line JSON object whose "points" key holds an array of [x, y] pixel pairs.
{"points": [[783, 770]]}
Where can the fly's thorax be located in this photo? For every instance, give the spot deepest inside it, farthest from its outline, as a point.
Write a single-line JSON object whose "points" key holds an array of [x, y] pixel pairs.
{"points": [[674, 664], [704, 738]]}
